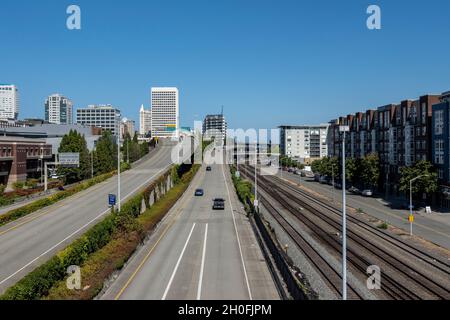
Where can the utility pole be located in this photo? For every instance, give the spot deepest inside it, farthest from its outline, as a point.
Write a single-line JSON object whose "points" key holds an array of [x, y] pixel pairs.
{"points": [[92, 164], [344, 129]]}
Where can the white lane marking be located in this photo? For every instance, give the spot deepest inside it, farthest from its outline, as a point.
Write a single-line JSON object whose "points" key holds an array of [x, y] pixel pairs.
{"points": [[200, 280], [237, 236], [78, 230], [177, 265]]}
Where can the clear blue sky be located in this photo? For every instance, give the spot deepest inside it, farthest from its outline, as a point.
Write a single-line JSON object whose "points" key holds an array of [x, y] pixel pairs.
{"points": [[268, 62]]}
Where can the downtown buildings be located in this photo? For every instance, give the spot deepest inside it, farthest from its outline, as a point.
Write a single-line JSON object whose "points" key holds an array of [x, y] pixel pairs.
{"points": [[9, 102], [401, 134], [106, 117], [304, 143], [145, 121], [164, 113], [58, 110], [215, 126]]}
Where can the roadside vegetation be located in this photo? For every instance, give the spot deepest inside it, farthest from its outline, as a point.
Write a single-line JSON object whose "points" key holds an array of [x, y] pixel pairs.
{"points": [[243, 189], [106, 246], [363, 172]]}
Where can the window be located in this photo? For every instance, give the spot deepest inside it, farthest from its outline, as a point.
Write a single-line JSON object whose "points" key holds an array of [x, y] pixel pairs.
{"points": [[438, 122]]}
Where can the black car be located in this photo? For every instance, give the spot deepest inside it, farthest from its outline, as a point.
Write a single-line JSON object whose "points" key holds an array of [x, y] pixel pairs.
{"points": [[218, 204], [208, 168], [199, 192]]}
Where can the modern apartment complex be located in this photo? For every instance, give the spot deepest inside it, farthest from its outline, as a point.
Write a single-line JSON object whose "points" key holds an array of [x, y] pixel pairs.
{"points": [[164, 113], [401, 134], [304, 143], [106, 117], [215, 126], [9, 102], [145, 121], [58, 109], [441, 146]]}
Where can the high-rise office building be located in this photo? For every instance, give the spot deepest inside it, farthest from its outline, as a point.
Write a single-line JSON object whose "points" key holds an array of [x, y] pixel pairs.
{"points": [[103, 116], [9, 101], [126, 126], [145, 121], [215, 126], [58, 109], [164, 112]]}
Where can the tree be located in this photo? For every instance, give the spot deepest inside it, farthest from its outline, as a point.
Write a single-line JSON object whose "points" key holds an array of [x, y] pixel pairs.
{"points": [[105, 155], [428, 183], [370, 170], [75, 142], [353, 170]]}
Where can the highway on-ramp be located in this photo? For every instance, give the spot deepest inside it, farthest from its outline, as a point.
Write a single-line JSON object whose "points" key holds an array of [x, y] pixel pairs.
{"points": [[28, 242]]}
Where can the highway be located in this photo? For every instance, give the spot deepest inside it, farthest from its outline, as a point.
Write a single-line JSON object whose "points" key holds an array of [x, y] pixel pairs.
{"points": [[28, 242], [198, 253]]}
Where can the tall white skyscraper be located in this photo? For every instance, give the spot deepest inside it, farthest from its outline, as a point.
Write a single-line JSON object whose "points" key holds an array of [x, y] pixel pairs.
{"points": [[145, 121], [9, 101], [165, 113], [58, 109]]}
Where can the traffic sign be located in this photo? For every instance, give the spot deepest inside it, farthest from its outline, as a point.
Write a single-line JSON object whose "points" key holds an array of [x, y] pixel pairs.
{"points": [[69, 159], [112, 199], [411, 218]]}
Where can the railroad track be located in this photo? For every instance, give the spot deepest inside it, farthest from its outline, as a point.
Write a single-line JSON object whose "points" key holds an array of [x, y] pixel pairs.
{"points": [[320, 223]]}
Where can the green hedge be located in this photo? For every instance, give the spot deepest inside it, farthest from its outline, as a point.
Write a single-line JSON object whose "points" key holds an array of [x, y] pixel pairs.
{"points": [[38, 283], [243, 189], [45, 202]]}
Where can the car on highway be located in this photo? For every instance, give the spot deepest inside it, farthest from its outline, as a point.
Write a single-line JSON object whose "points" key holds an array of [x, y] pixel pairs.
{"points": [[367, 193], [208, 168], [218, 204], [199, 192]]}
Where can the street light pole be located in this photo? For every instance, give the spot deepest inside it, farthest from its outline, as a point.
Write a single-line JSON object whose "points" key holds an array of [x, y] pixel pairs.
{"points": [[256, 177], [411, 203], [344, 129], [118, 171]]}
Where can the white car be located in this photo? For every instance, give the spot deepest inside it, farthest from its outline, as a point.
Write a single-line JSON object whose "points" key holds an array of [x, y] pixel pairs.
{"points": [[367, 193]]}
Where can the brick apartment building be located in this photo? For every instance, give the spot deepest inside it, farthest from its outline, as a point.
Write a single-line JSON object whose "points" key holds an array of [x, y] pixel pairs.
{"points": [[400, 134]]}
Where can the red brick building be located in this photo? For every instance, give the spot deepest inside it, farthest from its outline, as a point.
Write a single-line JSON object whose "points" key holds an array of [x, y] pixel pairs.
{"points": [[22, 158]]}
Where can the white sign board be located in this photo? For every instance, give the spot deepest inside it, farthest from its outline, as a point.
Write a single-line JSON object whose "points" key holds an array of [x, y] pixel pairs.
{"points": [[69, 159], [428, 210]]}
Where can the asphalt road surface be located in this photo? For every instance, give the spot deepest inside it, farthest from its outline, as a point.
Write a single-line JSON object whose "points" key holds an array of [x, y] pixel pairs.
{"points": [[28, 242], [198, 253]]}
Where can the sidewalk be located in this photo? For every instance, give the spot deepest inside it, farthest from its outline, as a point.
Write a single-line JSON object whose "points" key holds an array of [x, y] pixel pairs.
{"points": [[434, 227]]}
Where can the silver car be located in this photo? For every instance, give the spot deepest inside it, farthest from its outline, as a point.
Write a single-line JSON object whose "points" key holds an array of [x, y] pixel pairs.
{"points": [[367, 193]]}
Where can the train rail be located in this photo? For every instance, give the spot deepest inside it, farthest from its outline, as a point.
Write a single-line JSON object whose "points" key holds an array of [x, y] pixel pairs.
{"points": [[401, 278]]}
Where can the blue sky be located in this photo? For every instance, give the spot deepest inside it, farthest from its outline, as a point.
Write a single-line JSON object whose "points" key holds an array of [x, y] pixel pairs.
{"points": [[268, 62]]}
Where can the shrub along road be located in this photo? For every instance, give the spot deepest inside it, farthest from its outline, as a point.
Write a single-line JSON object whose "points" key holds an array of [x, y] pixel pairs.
{"points": [[28, 242]]}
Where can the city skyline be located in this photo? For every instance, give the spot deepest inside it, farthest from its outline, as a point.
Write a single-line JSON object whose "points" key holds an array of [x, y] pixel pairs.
{"points": [[287, 56]]}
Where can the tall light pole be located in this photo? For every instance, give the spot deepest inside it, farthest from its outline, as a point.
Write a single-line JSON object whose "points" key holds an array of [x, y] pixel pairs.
{"points": [[344, 129], [118, 170], [92, 163], [411, 203], [256, 177]]}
